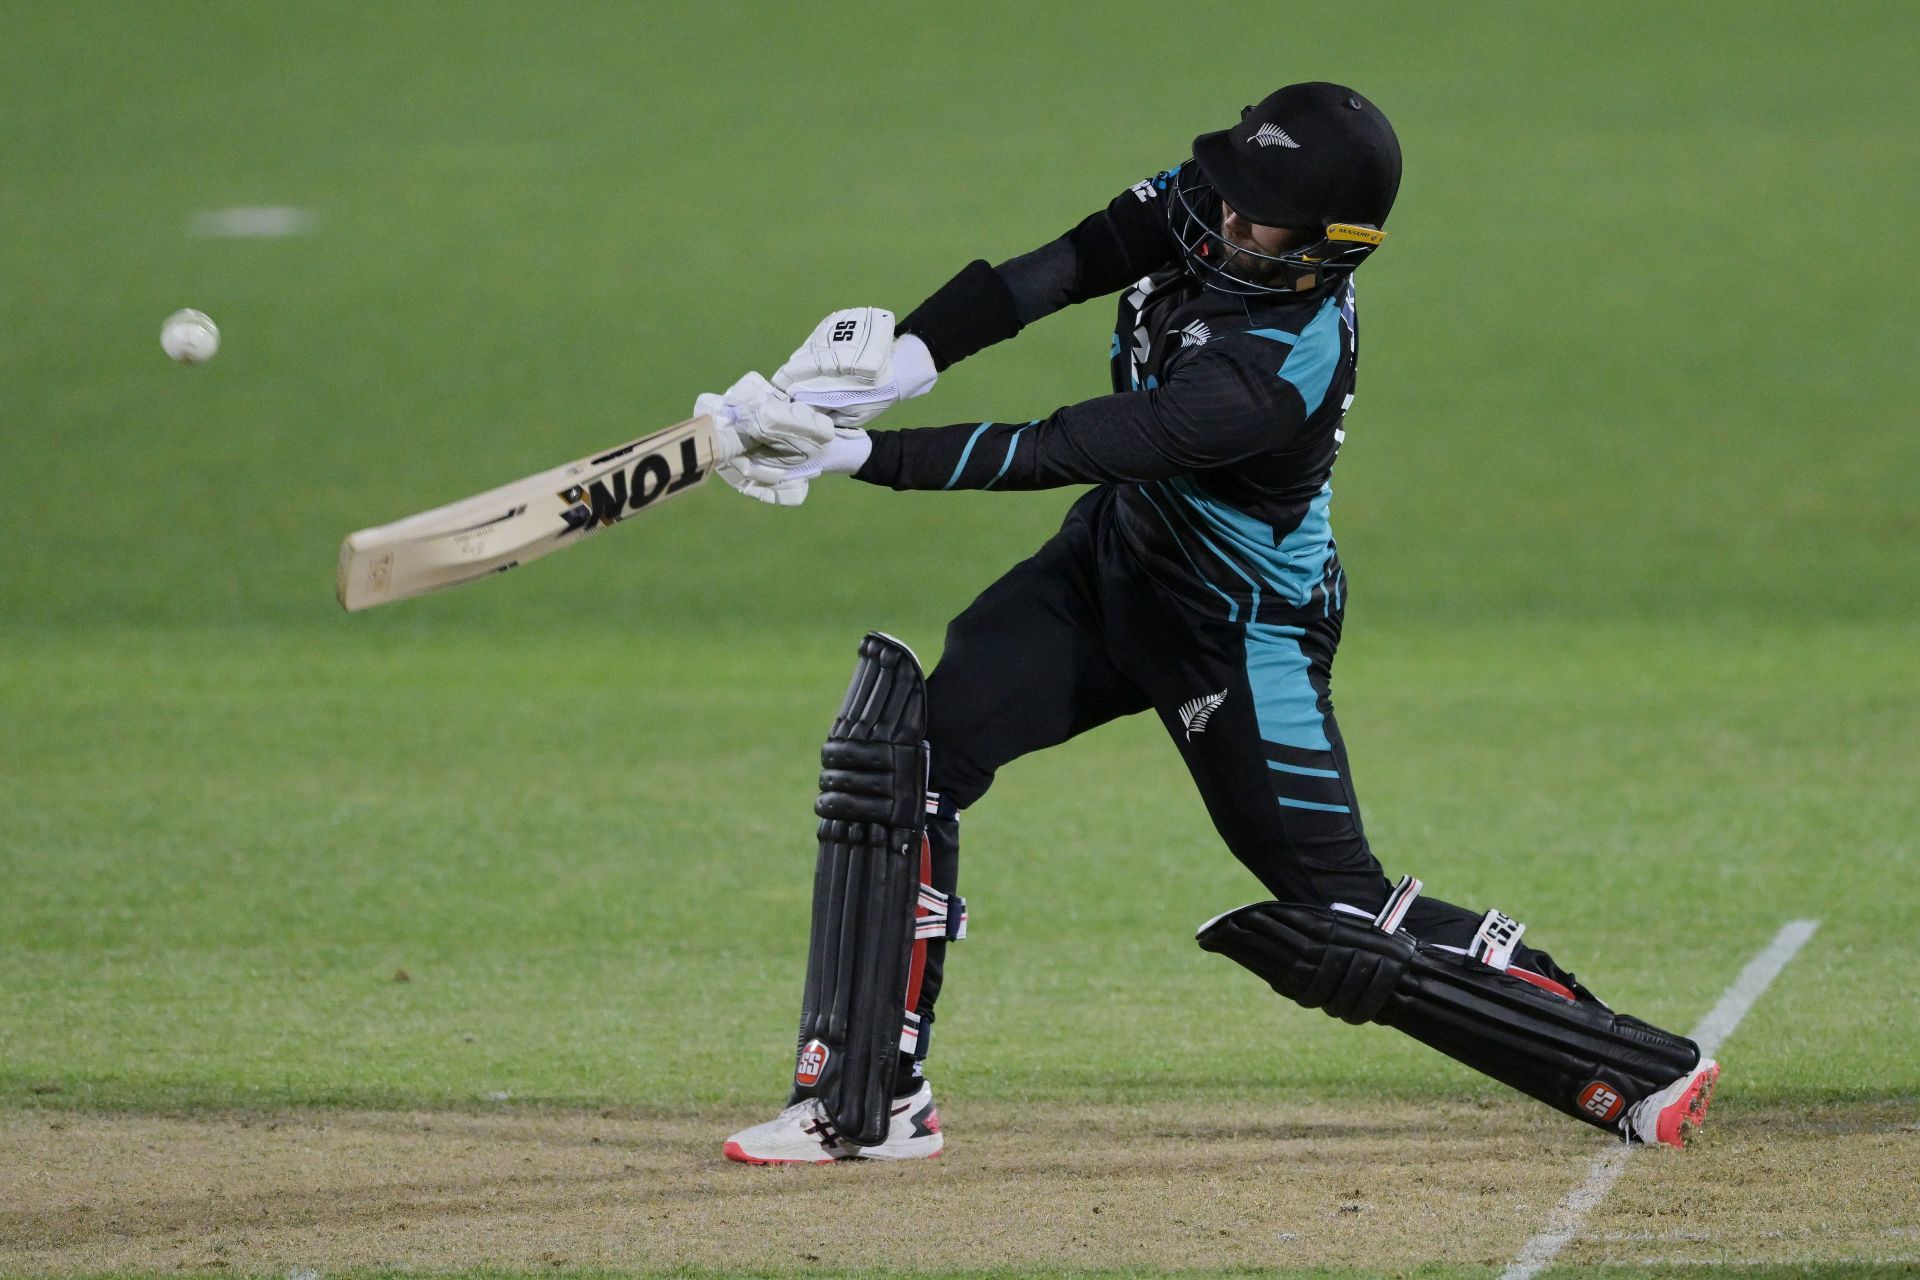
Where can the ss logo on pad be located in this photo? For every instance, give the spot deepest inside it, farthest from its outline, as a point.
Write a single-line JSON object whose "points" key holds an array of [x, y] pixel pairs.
{"points": [[813, 1061], [1600, 1101]]}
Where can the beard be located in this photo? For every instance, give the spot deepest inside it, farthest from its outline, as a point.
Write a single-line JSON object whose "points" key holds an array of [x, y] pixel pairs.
{"points": [[1248, 263]]}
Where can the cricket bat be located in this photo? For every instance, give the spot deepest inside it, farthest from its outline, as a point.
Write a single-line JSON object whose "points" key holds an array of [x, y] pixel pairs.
{"points": [[494, 531]]}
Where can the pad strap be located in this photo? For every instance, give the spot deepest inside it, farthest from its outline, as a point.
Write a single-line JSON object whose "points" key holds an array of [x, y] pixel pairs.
{"points": [[940, 915], [1389, 918], [1496, 940]]}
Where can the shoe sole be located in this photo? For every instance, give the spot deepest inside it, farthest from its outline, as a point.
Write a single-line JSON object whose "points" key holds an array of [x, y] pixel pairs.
{"points": [[1686, 1113], [910, 1155], [737, 1153]]}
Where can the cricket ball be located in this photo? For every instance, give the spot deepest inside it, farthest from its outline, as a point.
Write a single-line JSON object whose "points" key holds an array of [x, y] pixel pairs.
{"points": [[190, 337]]}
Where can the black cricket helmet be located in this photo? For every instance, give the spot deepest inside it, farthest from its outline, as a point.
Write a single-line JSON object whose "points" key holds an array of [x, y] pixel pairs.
{"points": [[1316, 157]]}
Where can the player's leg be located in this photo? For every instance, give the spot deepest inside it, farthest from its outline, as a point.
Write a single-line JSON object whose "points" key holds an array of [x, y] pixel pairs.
{"points": [[1022, 671], [1250, 708], [1563, 1047], [1257, 731], [869, 897], [1025, 666]]}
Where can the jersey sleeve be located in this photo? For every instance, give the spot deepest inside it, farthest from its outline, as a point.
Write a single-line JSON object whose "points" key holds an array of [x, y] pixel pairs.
{"points": [[1216, 410], [1103, 253]]}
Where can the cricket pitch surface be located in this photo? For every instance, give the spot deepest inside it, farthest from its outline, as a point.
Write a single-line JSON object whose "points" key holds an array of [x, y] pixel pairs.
{"points": [[1053, 1188]]}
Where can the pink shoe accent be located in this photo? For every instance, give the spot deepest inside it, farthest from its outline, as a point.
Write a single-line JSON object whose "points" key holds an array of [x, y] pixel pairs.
{"points": [[1685, 1113]]}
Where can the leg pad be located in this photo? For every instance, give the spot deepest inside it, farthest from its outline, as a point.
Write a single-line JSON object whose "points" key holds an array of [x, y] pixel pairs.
{"points": [[1575, 1055], [860, 986]]}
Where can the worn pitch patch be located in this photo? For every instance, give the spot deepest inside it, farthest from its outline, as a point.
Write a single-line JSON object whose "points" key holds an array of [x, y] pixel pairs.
{"points": [[1830, 1182], [1304, 1183]]}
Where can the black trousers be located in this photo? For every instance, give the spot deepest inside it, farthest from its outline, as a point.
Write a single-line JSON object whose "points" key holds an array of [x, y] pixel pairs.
{"points": [[1077, 636]]}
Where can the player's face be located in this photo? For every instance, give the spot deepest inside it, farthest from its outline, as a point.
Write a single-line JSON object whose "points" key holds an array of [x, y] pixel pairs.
{"points": [[1252, 236]]}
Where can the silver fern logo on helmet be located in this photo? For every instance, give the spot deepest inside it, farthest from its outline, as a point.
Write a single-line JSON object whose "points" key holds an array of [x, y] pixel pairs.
{"points": [[1272, 135], [1196, 712]]}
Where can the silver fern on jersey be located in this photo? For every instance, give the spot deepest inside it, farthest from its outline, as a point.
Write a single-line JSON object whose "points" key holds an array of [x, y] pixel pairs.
{"points": [[1195, 712]]}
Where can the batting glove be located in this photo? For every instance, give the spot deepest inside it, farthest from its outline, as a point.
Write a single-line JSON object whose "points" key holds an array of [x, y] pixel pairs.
{"points": [[751, 420], [852, 367]]}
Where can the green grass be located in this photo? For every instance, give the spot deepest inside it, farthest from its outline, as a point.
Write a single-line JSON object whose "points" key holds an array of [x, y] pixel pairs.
{"points": [[1692, 1271], [1627, 503], [594, 867]]}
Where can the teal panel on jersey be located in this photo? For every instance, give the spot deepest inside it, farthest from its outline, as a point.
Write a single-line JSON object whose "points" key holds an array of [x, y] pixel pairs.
{"points": [[1285, 704], [1308, 548], [1191, 515], [1292, 565], [1315, 355], [1233, 609]]}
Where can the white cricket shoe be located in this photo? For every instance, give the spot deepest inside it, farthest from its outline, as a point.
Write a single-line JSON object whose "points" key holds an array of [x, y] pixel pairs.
{"points": [[913, 1132], [802, 1134], [1670, 1116]]}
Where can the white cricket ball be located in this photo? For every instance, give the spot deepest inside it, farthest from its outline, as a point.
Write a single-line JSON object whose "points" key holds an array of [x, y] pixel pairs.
{"points": [[190, 337]]}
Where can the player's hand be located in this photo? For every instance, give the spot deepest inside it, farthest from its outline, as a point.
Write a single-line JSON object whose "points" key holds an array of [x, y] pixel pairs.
{"points": [[750, 416], [752, 420], [770, 479], [852, 367], [778, 491]]}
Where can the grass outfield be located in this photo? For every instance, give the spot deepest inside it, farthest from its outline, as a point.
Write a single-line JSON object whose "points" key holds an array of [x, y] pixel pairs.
{"points": [[232, 855], [1627, 504]]}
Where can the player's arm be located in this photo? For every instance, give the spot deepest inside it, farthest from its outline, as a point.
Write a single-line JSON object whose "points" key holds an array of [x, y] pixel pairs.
{"points": [[856, 364], [1103, 253], [1217, 409]]}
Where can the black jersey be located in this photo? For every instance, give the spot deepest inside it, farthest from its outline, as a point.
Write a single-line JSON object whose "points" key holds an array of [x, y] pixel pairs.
{"points": [[1219, 437]]}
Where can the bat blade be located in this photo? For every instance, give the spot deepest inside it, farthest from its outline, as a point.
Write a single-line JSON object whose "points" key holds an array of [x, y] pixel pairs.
{"points": [[494, 531]]}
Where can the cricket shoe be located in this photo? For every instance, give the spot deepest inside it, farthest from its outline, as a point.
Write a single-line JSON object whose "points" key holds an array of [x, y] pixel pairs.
{"points": [[913, 1130], [802, 1134], [1670, 1116]]}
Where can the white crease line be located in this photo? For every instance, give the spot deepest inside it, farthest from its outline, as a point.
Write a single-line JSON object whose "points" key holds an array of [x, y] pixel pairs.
{"points": [[1751, 985], [252, 222], [1563, 1224]]}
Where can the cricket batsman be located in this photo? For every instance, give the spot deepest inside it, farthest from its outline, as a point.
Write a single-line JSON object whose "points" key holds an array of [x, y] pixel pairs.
{"points": [[1197, 579]]}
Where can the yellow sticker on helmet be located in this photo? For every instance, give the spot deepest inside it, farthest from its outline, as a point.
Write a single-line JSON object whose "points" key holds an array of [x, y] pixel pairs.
{"points": [[1355, 233]]}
